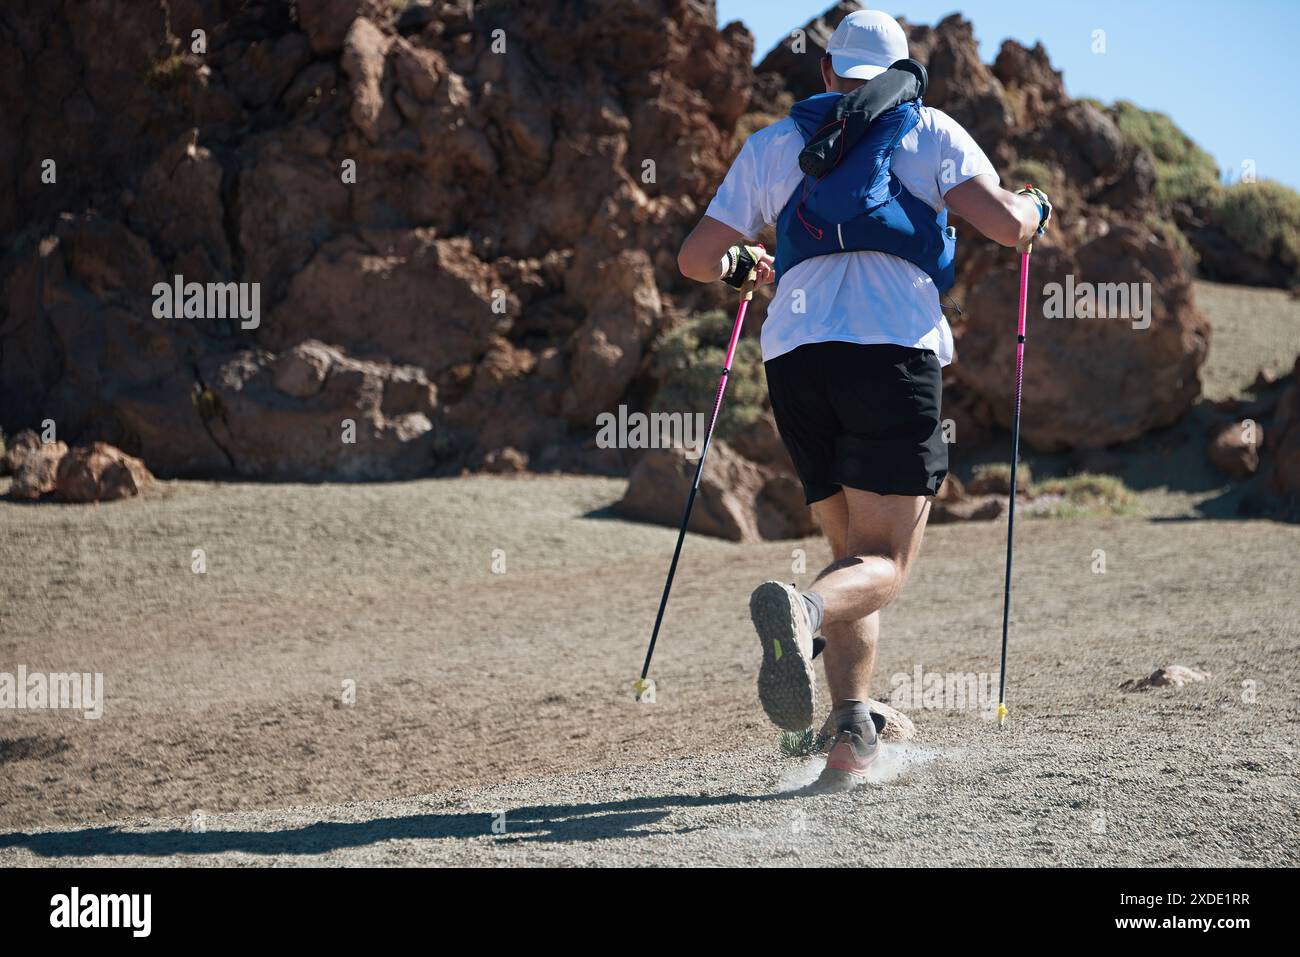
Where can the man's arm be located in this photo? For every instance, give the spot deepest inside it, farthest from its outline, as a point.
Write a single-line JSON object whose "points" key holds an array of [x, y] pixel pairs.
{"points": [[701, 255], [1009, 219]]}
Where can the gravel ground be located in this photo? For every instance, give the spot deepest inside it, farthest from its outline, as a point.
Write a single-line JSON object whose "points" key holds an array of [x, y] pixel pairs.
{"points": [[1036, 796], [510, 691]]}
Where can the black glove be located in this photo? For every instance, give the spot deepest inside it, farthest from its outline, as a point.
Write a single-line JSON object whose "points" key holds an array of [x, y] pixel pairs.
{"points": [[844, 126], [741, 261]]}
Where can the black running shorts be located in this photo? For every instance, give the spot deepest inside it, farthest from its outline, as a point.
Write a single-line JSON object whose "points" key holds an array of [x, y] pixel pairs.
{"points": [[861, 416]]}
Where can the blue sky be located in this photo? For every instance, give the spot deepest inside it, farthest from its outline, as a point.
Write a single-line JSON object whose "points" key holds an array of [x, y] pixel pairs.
{"points": [[1224, 71]]}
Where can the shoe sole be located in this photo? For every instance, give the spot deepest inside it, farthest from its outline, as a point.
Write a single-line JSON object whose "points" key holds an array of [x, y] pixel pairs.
{"points": [[787, 684], [835, 780]]}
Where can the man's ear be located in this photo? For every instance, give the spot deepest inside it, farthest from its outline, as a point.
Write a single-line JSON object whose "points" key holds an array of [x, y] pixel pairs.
{"points": [[828, 74]]}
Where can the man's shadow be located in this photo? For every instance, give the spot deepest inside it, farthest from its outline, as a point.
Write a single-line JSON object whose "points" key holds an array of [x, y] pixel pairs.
{"points": [[540, 824]]}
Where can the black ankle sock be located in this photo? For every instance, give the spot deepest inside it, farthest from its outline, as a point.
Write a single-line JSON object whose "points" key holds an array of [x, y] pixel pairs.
{"points": [[816, 608]]}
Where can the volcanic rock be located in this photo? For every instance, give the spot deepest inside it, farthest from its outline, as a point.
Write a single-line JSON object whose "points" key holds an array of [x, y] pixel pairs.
{"points": [[1234, 448], [431, 210], [1170, 676], [1284, 443], [34, 465], [738, 499], [98, 472], [898, 726]]}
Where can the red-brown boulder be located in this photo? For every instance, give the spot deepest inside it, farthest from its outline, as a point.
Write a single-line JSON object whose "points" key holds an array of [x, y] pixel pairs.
{"points": [[738, 499], [1234, 448], [99, 472], [34, 465]]}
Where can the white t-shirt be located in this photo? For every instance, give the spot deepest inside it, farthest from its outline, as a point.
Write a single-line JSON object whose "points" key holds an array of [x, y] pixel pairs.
{"points": [[863, 297]]}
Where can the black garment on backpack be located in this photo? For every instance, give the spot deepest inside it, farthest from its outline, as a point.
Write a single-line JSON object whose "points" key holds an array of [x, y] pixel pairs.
{"points": [[905, 80]]}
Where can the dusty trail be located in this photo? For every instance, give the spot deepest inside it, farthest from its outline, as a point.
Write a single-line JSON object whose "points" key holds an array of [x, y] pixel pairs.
{"points": [[1034, 797], [478, 692]]}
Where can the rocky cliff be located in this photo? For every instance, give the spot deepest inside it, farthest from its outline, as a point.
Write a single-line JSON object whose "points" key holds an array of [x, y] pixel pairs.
{"points": [[462, 220]]}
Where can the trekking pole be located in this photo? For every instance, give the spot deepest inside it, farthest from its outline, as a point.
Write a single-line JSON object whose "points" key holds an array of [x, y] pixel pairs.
{"points": [[644, 686], [1015, 465]]}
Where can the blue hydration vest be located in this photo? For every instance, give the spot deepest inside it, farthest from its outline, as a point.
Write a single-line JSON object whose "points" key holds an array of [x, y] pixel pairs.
{"points": [[860, 204]]}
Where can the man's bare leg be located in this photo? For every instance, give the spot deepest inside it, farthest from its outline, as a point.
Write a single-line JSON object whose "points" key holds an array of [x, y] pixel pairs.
{"points": [[850, 654], [882, 537], [873, 539]]}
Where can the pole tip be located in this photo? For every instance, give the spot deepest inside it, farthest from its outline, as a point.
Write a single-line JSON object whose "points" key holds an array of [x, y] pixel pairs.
{"points": [[1002, 714]]}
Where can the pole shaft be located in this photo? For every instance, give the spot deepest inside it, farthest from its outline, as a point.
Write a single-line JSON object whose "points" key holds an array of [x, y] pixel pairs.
{"points": [[1015, 467], [695, 485]]}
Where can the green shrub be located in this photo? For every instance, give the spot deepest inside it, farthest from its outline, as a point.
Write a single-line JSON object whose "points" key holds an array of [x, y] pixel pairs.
{"points": [[689, 361], [797, 744], [995, 478], [1033, 172], [1085, 494], [1184, 171], [1263, 218], [1070, 497]]}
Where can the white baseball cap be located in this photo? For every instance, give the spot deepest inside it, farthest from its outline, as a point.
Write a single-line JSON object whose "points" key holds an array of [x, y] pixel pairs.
{"points": [[866, 44]]}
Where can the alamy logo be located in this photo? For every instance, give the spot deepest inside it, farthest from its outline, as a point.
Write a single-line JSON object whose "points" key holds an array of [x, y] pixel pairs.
{"points": [[103, 910], [179, 299], [55, 690], [921, 690], [656, 430], [1098, 300]]}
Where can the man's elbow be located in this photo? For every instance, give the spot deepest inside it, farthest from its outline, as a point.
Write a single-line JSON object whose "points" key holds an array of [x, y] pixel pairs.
{"points": [[684, 263]]}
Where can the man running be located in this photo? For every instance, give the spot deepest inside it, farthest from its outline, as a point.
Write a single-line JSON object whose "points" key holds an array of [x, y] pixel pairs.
{"points": [[853, 348]]}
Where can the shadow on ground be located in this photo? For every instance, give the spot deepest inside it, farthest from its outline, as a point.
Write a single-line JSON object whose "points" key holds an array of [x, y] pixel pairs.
{"points": [[551, 823]]}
